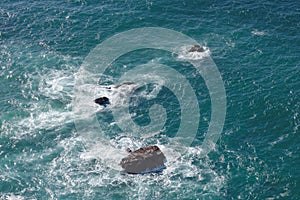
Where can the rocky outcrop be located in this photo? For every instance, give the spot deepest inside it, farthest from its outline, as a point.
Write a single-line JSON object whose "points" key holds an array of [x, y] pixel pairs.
{"points": [[197, 48], [144, 160]]}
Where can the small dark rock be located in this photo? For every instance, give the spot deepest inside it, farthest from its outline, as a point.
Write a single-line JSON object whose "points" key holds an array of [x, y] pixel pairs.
{"points": [[102, 101], [144, 160], [197, 48]]}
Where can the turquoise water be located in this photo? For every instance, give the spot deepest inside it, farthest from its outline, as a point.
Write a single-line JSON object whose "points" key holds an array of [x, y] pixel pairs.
{"points": [[45, 155]]}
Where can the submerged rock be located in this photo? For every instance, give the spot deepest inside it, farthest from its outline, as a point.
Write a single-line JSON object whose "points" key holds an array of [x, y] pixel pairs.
{"points": [[124, 83], [144, 160]]}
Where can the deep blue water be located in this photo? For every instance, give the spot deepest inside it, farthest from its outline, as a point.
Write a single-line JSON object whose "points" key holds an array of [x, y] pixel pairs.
{"points": [[45, 154]]}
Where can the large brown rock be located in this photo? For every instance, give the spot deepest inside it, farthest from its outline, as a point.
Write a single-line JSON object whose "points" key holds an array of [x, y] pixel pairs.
{"points": [[144, 160]]}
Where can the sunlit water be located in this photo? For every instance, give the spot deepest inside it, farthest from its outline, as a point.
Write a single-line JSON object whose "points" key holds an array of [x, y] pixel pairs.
{"points": [[43, 155]]}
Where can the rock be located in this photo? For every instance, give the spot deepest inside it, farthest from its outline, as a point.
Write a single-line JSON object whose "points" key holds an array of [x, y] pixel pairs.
{"points": [[125, 83], [197, 48], [144, 160], [102, 101]]}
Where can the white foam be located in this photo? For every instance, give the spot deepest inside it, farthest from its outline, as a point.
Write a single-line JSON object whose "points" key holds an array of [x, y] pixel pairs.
{"points": [[56, 85], [107, 154], [259, 33], [45, 120], [185, 55], [11, 196]]}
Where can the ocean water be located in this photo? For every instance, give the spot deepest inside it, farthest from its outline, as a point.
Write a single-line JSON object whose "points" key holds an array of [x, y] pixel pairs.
{"points": [[57, 144]]}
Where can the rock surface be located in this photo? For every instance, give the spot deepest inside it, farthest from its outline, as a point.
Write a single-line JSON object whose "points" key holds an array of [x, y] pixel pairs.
{"points": [[144, 160], [197, 48], [102, 101]]}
